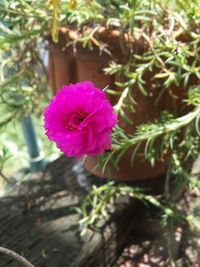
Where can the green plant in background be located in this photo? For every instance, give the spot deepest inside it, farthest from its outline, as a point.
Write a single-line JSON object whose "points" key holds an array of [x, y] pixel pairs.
{"points": [[22, 83], [170, 34], [23, 76]]}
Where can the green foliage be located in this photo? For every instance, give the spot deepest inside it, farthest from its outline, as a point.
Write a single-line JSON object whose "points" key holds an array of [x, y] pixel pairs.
{"points": [[181, 134], [193, 96], [102, 201], [119, 13], [85, 12], [22, 80], [24, 26], [160, 55]]}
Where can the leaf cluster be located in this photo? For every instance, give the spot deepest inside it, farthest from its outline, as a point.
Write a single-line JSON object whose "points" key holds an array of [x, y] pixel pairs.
{"points": [[22, 72]]}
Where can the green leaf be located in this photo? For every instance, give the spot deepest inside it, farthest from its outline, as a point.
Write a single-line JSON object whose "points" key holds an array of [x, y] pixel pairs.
{"points": [[134, 153], [120, 155]]}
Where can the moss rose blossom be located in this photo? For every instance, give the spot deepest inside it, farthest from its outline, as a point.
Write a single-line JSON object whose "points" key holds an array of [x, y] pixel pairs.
{"points": [[79, 119]]}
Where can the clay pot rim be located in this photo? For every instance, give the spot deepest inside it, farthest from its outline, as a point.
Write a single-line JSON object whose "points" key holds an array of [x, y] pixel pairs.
{"points": [[102, 31], [71, 37], [108, 36]]}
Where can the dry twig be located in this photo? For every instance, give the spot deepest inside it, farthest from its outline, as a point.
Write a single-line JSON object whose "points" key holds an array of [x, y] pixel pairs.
{"points": [[16, 256]]}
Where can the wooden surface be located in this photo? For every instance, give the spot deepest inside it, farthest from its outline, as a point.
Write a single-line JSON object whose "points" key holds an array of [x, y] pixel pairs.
{"points": [[37, 221]]}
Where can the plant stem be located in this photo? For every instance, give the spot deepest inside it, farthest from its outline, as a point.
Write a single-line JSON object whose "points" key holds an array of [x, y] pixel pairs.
{"points": [[169, 234], [167, 181], [16, 256], [167, 128], [6, 179]]}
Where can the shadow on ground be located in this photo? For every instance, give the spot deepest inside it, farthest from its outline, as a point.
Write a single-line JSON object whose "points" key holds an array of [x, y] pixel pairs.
{"points": [[37, 219]]}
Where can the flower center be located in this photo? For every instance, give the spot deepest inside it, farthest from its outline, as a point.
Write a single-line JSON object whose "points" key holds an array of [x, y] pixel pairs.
{"points": [[73, 120]]}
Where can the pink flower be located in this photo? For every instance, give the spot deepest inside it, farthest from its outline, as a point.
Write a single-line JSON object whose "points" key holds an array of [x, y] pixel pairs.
{"points": [[79, 119]]}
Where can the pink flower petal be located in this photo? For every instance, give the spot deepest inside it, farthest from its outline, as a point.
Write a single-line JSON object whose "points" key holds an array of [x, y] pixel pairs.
{"points": [[79, 119]]}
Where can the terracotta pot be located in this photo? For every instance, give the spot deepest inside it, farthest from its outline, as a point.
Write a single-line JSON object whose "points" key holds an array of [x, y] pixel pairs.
{"points": [[70, 65]]}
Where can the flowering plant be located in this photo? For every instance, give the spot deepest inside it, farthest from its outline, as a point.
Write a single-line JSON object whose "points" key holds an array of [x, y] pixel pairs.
{"points": [[165, 67]]}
